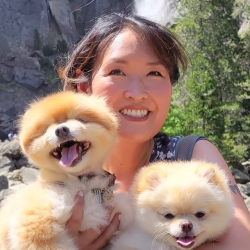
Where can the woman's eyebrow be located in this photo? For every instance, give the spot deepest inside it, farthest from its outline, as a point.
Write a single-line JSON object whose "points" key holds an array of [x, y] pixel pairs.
{"points": [[116, 60], [155, 63], [122, 61]]}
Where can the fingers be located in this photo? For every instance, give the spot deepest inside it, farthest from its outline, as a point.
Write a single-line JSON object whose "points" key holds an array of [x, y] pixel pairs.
{"points": [[74, 222], [90, 239], [86, 238], [107, 234]]}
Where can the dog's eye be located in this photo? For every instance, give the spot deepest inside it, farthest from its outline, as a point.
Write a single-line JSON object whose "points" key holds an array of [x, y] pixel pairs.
{"points": [[200, 215], [169, 216], [80, 120]]}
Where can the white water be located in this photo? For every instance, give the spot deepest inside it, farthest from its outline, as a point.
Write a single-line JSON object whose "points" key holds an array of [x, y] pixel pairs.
{"points": [[160, 11]]}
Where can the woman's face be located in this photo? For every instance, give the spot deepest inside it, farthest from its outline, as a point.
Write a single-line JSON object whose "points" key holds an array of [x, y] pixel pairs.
{"points": [[136, 84]]}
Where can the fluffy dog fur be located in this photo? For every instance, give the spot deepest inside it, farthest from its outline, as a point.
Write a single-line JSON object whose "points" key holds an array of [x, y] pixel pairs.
{"points": [[178, 205], [66, 135]]}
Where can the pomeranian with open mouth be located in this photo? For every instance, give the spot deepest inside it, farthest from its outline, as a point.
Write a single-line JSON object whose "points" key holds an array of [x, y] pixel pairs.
{"points": [[68, 136], [178, 205]]}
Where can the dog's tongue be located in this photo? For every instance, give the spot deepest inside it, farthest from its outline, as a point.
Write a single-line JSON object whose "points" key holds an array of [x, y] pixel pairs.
{"points": [[68, 156], [185, 241]]}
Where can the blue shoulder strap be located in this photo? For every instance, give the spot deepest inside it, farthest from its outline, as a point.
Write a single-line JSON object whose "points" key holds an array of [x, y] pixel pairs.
{"points": [[184, 147]]}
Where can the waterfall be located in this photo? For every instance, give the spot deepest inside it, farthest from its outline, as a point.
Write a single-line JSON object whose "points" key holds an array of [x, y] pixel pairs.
{"points": [[160, 11]]}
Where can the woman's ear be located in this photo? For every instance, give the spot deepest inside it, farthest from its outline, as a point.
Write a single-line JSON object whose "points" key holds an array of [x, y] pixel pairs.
{"points": [[83, 87]]}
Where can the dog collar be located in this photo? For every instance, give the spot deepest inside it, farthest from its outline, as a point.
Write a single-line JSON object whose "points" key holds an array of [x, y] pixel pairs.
{"points": [[106, 174], [104, 194]]}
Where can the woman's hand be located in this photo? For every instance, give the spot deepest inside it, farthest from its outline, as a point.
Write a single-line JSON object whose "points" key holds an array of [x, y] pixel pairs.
{"points": [[90, 239]]}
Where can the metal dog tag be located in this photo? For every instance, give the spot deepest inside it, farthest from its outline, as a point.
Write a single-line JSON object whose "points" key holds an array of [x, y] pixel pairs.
{"points": [[98, 192], [108, 195]]}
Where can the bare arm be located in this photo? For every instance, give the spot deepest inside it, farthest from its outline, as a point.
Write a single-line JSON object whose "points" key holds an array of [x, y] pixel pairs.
{"points": [[238, 234]]}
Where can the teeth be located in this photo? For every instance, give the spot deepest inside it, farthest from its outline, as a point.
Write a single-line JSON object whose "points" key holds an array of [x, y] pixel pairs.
{"points": [[134, 112]]}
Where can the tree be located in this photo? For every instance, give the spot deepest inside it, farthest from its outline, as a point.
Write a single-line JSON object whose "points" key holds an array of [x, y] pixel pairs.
{"points": [[242, 13], [211, 105], [48, 50], [62, 46], [37, 40]]}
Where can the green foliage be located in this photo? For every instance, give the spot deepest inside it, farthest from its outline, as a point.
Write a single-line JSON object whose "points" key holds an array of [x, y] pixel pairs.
{"points": [[173, 124], [62, 47], [230, 149], [215, 96], [241, 9], [246, 41], [37, 40], [48, 71], [48, 50]]}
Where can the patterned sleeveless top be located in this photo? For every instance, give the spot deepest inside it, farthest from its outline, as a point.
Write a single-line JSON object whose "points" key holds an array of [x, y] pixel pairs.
{"points": [[164, 148]]}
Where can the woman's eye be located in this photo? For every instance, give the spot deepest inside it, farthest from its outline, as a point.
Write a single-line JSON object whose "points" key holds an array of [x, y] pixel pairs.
{"points": [[116, 72], [154, 73]]}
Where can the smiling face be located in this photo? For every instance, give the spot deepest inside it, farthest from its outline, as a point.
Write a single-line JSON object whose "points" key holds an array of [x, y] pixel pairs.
{"points": [[136, 84], [68, 132], [182, 201]]}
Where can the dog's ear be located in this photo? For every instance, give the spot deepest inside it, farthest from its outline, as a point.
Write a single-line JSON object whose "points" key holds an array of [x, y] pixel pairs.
{"points": [[206, 170], [149, 178], [214, 175], [155, 178]]}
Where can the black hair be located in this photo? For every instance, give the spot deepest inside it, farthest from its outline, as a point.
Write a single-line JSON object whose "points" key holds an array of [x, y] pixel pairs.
{"points": [[163, 42]]}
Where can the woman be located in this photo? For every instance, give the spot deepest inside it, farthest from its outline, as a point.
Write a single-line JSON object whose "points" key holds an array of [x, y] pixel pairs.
{"points": [[134, 63]]}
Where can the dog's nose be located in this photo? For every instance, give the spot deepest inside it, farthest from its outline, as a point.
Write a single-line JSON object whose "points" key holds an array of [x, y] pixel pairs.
{"points": [[186, 226], [62, 131]]}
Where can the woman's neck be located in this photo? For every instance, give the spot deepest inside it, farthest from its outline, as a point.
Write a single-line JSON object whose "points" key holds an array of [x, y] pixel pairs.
{"points": [[126, 159]]}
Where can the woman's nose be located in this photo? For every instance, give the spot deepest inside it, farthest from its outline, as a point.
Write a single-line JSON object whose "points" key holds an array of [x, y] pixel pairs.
{"points": [[136, 90]]}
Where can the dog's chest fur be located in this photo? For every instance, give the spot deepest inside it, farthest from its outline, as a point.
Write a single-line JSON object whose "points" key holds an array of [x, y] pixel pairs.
{"points": [[62, 196]]}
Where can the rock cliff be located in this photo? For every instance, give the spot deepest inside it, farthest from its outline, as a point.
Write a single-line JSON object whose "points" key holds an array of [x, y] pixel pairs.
{"points": [[28, 29], [54, 19]]}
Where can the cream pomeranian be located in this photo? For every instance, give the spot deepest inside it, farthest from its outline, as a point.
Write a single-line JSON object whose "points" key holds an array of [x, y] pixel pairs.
{"points": [[67, 135], [178, 205]]}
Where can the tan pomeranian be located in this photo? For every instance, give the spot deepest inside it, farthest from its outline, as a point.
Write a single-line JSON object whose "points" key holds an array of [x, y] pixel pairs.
{"points": [[68, 136], [178, 205]]}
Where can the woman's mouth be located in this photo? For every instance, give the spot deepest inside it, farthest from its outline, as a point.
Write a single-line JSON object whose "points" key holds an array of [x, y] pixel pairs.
{"points": [[136, 113]]}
